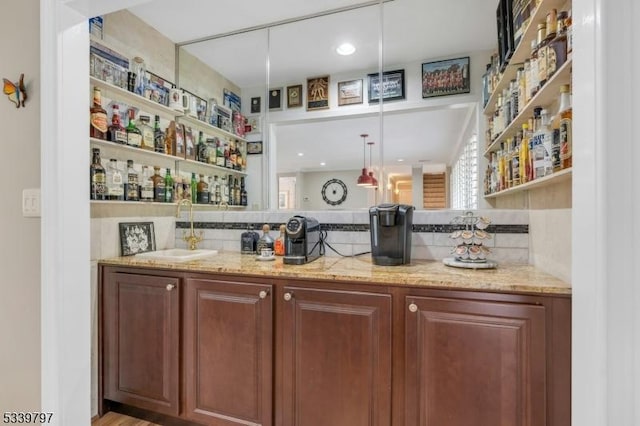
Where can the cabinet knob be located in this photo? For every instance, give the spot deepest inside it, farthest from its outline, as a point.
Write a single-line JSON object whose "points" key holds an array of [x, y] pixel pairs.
{"points": [[263, 294], [287, 296], [413, 307], [170, 287]]}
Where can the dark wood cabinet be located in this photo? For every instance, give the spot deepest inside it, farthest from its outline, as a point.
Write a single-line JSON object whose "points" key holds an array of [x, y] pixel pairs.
{"points": [[336, 358], [227, 352], [141, 340], [474, 362], [223, 350]]}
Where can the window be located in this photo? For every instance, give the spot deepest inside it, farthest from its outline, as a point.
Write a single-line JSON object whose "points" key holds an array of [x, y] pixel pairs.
{"points": [[464, 177]]}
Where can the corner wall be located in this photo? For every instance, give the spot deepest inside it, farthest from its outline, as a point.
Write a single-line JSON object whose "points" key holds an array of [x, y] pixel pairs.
{"points": [[20, 253]]}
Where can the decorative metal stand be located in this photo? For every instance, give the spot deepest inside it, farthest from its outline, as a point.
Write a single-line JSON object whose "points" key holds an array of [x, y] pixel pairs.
{"points": [[470, 251]]}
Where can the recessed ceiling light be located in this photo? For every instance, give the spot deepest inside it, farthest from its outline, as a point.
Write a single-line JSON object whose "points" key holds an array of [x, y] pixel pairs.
{"points": [[323, 164], [400, 160], [300, 154], [346, 49]]}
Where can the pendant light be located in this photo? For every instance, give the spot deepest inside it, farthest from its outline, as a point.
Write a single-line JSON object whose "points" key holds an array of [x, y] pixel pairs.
{"points": [[374, 181], [364, 179]]}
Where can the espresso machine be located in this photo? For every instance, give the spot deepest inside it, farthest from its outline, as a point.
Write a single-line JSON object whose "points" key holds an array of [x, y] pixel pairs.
{"points": [[391, 234], [301, 241]]}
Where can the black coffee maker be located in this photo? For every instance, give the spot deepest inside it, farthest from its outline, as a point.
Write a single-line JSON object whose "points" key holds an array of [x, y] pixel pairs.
{"points": [[302, 240], [391, 234]]}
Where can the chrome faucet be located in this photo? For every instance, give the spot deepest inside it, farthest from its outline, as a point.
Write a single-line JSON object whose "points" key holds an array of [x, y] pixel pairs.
{"points": [[191, 239]]}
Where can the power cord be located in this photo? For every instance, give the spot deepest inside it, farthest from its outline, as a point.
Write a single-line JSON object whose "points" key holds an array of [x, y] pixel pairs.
{"points": [[323, 242]]}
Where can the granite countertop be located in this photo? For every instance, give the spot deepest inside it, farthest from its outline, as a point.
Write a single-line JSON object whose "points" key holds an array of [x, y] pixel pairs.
{"points": [[420, 273]]}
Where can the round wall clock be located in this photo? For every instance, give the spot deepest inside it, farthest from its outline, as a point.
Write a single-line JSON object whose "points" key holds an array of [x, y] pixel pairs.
{"points": [[334, 192]]}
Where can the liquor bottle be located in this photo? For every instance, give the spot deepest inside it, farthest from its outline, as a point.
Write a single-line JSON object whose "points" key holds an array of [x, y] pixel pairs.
{"points": [[220, 160], [537, 147], [158, 186], [211, 150], [201, 151], [568, 22], [240, 160], [243, 192], [542, 43], [115, 184], [131, 189], [168, 187], [217, 197], [230, 198], [224, 191], [265, 241], [523, 95], [232, 155], [533, 84], [194, 188], [189, 144], [524, 153], [278, 246], [147, 133], [178, 188], [158, 136], [557, 49], [134, 135], [202, 191], [566, 138], [515, 163], [236, 192], [97, 177], [116, 132], [146, 186], [98, 117]]}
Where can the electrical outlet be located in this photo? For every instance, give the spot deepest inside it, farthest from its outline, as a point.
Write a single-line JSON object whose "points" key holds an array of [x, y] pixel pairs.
{"points": [[31, 202]]}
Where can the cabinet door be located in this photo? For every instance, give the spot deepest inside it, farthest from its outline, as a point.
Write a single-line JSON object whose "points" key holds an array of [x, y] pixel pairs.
{"points": [[141, 341], [474, 363], [228, 352], [336, 365]]}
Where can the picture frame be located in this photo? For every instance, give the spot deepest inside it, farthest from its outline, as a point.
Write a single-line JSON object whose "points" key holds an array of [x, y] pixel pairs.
{"points": [[447, 77], [136, 237], [231, 100], [350, 92], [294, 96], [504, 22], [255, 105], [158, 88], [254, 124], [318, 93], [201, 106], [254, 147], [275, 99], [392, 86]]}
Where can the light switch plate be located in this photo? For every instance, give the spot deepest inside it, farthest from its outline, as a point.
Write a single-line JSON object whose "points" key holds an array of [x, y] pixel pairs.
{"points": [[31, 202]]}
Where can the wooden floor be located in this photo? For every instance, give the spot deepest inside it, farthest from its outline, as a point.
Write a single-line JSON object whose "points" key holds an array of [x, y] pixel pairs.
{"points": [[117, 419]]}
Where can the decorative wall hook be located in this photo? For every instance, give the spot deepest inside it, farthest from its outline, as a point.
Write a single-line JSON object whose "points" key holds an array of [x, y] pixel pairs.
{"points": [[15, 91]]}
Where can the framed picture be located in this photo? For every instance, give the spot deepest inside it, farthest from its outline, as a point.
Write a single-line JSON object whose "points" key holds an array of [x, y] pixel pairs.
{"points": [[392, 86], [255, 105], [294, 96], [197, 107], [254, 147], [158, 89], [448, 77], [254, 124], [136, 237], [350, 92], [231, 100], [504, 22], [317, 93], [275, 99]]}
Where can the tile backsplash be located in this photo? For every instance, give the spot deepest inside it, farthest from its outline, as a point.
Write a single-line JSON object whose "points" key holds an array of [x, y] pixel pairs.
{"points": [[348, 231]]}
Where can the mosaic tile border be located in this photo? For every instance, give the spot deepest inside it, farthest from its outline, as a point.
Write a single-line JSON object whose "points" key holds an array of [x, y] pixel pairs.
{"points": [[354, 227]]}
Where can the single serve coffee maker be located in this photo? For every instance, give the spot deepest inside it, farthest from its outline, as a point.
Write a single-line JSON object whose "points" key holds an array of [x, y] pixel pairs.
{"points": [[391, 234]]}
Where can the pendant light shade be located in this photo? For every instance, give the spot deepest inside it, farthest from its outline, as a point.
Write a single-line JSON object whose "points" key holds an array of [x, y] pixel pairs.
{"points": [[372, 178], [364, 179]]}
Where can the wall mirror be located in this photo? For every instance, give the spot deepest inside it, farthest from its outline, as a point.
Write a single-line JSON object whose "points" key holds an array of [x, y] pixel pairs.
{"points": [[412, 134]]}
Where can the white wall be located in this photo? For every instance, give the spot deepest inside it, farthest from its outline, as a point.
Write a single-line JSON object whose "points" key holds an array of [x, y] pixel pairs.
{"points": [[20, 248], [310, 188]]}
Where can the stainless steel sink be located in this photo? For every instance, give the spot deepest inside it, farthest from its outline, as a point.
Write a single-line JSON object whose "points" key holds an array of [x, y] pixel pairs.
{"points": [[178, 255]]}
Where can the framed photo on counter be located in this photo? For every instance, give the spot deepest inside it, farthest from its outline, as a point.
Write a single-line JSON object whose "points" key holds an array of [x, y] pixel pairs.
{"points": [[136, 237]]}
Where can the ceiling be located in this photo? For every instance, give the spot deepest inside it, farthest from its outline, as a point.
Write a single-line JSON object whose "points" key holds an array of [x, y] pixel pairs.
{"points": [[413, 31]]}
